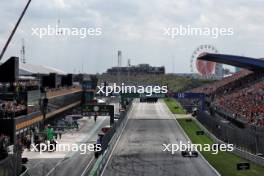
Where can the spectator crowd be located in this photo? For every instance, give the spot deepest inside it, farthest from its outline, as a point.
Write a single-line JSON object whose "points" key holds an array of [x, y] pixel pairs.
{"points": [[4, 143], [241, 94], [11, 109]]}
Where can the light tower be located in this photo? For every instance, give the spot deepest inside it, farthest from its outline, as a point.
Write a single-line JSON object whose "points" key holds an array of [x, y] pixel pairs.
{"points": [[22, 52], [128, 62], [128, 65], [119, 58], [119, 64]]}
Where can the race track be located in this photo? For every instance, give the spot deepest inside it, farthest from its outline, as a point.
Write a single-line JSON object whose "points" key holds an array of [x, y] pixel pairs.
{"points": [[139, 152]]}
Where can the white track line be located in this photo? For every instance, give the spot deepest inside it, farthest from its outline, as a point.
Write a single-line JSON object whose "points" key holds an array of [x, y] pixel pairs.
{"points": [[187, 137], [88, 165], [117, 141]]}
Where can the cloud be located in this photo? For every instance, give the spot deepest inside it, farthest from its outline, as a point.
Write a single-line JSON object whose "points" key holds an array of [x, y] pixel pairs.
{"points": [[135, 27]]}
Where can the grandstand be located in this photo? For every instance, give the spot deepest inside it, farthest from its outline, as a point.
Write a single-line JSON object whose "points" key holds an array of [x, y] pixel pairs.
{"points": [[235, 104], [24, 89], [240, 94]]}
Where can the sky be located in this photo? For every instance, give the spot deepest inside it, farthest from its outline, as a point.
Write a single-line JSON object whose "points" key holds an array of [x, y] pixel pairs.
{"points": [[135, 27]]}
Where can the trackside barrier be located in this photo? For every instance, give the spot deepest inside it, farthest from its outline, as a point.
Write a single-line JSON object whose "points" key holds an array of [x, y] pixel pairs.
{"points": [[243, 154], [11, 165], [102, 160], [26, 172], [94, 170]]}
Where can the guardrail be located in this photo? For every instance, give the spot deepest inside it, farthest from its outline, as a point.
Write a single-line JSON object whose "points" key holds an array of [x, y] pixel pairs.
{"points": [[11, 165], [25, 172], [243, 154], [102, 160]]}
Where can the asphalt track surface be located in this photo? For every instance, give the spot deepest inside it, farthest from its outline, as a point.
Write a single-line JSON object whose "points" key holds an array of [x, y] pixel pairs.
{"points": [[139, 151]]}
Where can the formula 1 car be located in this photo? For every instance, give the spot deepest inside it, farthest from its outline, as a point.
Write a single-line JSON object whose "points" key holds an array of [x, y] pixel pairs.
{"points": [[189, 153]]}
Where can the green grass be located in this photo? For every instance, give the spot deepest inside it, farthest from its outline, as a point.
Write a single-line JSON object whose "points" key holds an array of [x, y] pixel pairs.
{"points": [[174, 106], [223, 162]]}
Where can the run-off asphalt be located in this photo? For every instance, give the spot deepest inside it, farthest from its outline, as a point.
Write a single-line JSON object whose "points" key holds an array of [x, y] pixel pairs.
{"points": [[139, 152]]}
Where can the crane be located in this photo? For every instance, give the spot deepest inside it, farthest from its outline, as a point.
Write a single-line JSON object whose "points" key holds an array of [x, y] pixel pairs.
{"points": [[14, 29]]}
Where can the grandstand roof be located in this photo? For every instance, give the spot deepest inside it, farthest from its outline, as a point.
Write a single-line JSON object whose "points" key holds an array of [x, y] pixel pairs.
{"points": [[29, 69], [238, 61]]}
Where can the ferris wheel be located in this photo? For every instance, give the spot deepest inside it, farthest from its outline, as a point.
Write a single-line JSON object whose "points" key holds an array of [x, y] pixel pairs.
{"points": [[204, 68]]}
